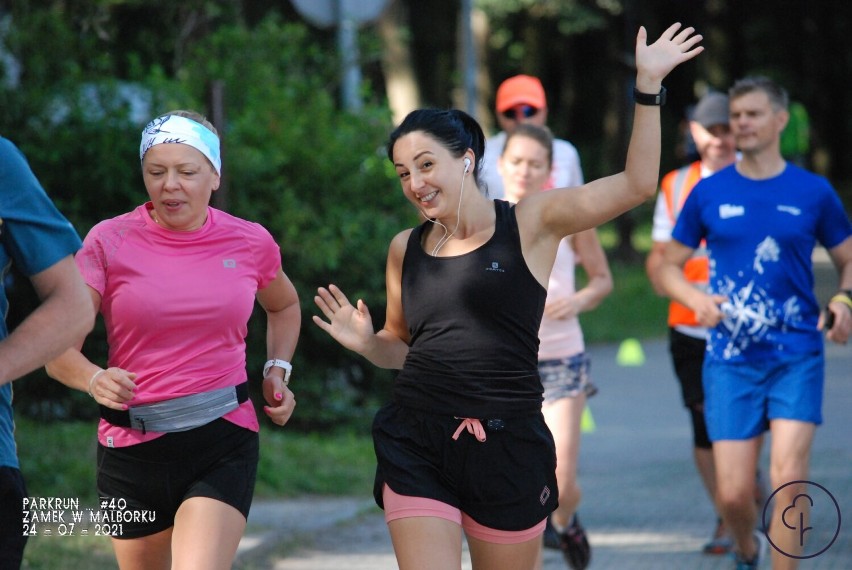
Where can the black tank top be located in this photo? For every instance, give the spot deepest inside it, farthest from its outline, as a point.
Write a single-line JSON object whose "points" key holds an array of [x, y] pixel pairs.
{"points": [[474, 322]]}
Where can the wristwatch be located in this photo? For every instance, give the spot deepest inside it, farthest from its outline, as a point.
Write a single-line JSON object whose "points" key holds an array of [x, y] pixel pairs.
{"points": [[288, 368], [650, 98]]}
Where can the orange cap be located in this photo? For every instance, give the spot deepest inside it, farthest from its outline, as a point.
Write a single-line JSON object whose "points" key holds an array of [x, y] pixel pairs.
{"points": [[520, 90]]}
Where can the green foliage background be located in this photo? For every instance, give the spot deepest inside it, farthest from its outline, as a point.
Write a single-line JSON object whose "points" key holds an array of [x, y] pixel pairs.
{"points": [[93, 72], [319, 180], [316, 177]]}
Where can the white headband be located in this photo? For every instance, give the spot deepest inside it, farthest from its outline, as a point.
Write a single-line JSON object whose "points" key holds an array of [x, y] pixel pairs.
{"points": [[177, 129]]}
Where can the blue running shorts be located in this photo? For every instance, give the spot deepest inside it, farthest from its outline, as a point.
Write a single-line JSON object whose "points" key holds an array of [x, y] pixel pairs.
{"points": [[740, 398]]}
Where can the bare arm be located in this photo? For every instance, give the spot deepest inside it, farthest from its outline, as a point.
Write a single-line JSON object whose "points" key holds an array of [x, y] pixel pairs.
{"points": [[593, 261], [652, 265], [546, 217], [352, 326], [674, 285], [111, 387], [571, 210], [63, 319], [841, 256], [283, 321]]}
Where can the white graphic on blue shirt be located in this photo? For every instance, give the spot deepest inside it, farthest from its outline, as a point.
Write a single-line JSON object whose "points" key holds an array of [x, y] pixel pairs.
{"points": [[730, 211], [751, 314], [767, 250], [748, 316]]}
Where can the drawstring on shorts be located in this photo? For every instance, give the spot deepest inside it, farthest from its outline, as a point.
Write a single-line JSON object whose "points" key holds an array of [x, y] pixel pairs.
{"points": [[473, 426]]}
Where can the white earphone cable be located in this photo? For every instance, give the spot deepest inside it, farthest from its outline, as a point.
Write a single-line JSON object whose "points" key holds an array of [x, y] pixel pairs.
{"points": [[446, 237]]}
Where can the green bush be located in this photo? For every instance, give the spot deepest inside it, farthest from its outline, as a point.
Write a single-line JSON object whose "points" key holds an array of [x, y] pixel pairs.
{"points": [[317, 178], [314, 176]]}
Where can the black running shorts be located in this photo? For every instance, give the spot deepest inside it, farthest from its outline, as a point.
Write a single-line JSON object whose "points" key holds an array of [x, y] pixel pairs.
{"points": [[507, 482], [688, 359], [13, 532], [142, 486]]}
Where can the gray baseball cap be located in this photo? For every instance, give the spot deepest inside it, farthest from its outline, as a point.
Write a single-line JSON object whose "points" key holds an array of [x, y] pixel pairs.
{"points": [[711, 110]]}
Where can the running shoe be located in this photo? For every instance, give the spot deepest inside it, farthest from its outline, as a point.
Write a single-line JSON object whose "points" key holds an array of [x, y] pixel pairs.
{"points": [[720, 543], [590, 389], [551, 537], [760, 556], [575, 545]]}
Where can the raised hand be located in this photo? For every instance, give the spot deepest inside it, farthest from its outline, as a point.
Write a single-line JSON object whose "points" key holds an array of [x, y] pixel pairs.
{"points": [[349, 325], [674, 46]]}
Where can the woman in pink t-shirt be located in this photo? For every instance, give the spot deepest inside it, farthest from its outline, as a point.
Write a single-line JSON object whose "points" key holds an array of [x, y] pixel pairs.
{"points": [[176, 281]]}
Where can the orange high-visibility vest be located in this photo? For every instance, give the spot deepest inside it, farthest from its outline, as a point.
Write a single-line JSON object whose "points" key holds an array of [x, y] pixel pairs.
{"points": [[676, 186]]}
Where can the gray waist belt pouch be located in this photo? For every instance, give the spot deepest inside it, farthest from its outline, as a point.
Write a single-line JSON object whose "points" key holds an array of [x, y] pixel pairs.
{"points": [[185, 413]]}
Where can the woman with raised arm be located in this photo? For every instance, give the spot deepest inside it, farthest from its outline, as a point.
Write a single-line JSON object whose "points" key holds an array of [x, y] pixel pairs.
{"points": [[464, 446]]}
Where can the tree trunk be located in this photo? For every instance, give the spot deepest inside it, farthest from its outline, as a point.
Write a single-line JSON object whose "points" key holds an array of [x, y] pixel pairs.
{"points": [[484, 86], [400, 81]]}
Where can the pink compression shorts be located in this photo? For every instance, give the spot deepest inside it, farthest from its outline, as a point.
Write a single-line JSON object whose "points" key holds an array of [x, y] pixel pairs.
{"points": [[402, 506]]}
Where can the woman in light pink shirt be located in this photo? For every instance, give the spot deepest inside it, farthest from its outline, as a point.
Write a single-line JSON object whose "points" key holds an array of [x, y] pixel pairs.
{"points": [[525, 166], [176, 281]]}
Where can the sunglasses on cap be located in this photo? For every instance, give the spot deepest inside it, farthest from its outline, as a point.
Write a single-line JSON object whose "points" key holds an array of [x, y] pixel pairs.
{"points": [[520, 112]]}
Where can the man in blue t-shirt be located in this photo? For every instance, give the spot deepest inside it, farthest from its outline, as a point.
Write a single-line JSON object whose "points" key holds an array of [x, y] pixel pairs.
{"points": [[761, 219], [41, 243]]}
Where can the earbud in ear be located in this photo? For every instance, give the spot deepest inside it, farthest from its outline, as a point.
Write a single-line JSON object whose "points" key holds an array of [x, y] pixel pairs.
{"points": [[466, 164]]}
